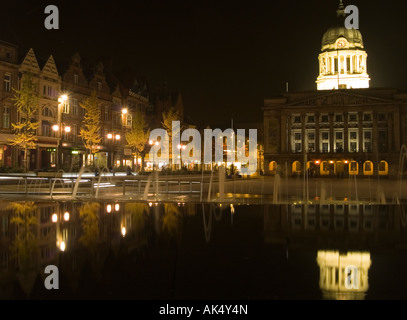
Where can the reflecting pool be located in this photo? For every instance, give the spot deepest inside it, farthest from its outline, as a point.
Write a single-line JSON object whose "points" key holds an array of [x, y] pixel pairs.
{"points": [[171, 251]]}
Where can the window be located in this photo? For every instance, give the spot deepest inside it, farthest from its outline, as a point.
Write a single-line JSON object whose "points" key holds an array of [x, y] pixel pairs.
{"points": [[65, 108], [338, 118], [353, 117], [99, 86], [7, 82], [324, 118], [367, 141], [367, 117], [311, 119], [129, 120], [338, 141], [45, 129], [381, 117], [83, 112], [75, 79], [74, 106], [296, 119], [6, 117], [46, 112], [353, 141], [297, 143], [324, 141], [311, 140]]}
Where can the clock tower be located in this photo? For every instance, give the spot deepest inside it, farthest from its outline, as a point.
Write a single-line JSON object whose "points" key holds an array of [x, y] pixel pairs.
{"points": [[342, 61]]}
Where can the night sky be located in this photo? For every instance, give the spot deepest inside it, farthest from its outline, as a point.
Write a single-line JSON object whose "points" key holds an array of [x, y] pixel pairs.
{"points": [[224, 57]]}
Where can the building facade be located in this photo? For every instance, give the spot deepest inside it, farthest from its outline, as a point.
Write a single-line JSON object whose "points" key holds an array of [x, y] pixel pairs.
{"points": [[61, 88], [343, 128]]}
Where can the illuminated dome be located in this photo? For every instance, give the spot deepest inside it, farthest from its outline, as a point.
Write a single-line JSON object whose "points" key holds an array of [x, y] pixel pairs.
{"points": [[343, 60], [353, 36]]}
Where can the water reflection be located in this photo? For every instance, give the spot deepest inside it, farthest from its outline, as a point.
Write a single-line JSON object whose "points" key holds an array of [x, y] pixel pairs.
{"points": [[137, 250], [343, 276]]}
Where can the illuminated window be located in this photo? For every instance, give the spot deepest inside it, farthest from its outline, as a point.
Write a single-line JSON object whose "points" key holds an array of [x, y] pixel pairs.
{"points": [[75, 106], [7, 82], [6, 117]]}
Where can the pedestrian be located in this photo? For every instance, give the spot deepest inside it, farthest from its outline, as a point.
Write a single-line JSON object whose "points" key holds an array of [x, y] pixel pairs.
{"points": [[128, 169]]}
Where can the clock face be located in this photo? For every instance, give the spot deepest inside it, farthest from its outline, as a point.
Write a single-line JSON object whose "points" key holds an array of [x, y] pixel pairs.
{"points": [[341, 43]]}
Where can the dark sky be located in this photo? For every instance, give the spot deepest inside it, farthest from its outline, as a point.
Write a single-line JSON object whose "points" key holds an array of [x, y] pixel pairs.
{"points": [[224, 56]]}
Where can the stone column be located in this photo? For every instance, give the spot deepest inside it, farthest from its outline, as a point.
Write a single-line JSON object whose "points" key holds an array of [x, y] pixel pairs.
{"points": [[304, 140], [283, 133], [289, 142], [375, 134], [345, 133], [331, 132], [360, 131], [317, 150]]}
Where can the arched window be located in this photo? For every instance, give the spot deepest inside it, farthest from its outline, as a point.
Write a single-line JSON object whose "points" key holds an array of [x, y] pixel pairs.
{"points": [[383, 168], [296, 167], [46, 112], [368, 168], [273, 167], [353, 168]]}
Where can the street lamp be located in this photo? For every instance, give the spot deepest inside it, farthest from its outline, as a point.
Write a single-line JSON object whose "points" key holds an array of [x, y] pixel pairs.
{"points": [[62, 100], [152, 142], [113, 137], [181, 147], [60, 128]]}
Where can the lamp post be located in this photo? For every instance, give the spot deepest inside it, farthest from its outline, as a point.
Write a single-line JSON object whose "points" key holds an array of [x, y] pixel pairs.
{"points": [[151, 143], [60, 127], [114, 138]]}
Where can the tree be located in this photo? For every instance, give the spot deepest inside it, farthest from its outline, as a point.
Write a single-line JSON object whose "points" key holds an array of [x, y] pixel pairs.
{"points": [[90, 130], [27, 103], [169, 116], [137, 138]]}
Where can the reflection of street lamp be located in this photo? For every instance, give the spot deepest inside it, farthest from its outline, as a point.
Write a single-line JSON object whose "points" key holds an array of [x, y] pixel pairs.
{"points": [[152, 142], [58, 219], [181, 147], [113, 137]]}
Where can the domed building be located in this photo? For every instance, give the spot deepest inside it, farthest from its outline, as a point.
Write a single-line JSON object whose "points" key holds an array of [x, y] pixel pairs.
{"points": [[342, 61], [342, 128]]}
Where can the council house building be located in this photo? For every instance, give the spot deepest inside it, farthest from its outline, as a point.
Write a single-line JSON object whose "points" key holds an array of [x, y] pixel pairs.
{"points": [[344, 127]]}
